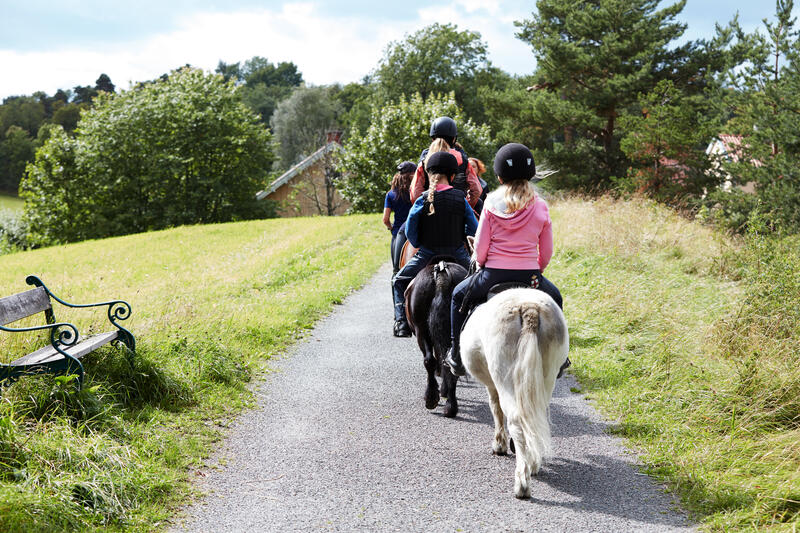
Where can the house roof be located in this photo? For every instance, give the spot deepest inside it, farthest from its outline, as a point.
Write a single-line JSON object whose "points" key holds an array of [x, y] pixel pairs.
{"points": [[297, 169], [730, 147]]}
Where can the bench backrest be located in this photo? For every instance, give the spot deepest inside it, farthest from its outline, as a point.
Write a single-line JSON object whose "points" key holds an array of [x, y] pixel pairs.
{"points": [[24, 304]]}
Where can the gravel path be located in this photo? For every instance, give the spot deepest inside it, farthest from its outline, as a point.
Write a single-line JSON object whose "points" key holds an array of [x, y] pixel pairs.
{"points": [[341, 441]]}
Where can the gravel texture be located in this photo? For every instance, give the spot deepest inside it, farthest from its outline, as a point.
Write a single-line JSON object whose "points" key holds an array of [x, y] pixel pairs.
{"points": [[341, 441]]}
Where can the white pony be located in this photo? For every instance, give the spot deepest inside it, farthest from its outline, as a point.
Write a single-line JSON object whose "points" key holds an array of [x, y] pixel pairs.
{"points": [[515, 344]]}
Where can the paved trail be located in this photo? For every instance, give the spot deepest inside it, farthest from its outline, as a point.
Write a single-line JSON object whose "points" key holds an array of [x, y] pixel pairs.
{"points": [[341, 441]]}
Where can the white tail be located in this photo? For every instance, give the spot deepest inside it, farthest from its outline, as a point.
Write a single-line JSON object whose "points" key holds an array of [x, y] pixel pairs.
{"points": [[530, 393]]}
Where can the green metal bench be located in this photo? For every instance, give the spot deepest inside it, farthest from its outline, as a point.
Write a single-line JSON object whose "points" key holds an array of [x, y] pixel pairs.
{"points": [[66, 346]]}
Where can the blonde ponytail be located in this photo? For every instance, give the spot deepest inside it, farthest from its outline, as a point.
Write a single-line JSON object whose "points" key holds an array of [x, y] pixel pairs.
{"points": [[517, 194], [438, 145]]}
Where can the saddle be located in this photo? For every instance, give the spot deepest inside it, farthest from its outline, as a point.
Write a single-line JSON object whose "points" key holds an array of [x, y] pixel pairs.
{"points": [[471, 303]]}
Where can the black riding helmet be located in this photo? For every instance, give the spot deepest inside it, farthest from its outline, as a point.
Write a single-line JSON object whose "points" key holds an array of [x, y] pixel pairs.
{"points": [[442, 163], [514, 162], [444, 127]]}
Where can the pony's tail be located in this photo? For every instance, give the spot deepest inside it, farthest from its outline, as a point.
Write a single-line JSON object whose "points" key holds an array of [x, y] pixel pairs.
{"points": [[530, 393], [439, 316]]}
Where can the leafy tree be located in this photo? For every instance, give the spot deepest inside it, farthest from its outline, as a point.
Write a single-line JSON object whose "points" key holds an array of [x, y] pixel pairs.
{"points": [[259, 70], [67, 116], [16, 149], [261, 83], [594, 59], [230, 71], [302, 121], [184, 150], [399, 132], [354, 99], [27, 112], [436, 59], [103, 83], [83, 94], [666, 144]]}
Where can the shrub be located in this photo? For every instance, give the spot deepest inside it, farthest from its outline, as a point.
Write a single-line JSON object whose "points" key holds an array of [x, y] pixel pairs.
{"points": [[180, 150]]}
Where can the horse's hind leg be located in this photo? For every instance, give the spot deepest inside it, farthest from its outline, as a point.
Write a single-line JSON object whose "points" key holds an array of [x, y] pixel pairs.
{"points": [[449, 382], [500, 442], [522, 473], [431, 364]]}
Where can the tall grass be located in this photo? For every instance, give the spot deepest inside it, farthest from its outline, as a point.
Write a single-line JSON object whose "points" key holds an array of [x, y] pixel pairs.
{"points": [[211, 305], [690, 342]]}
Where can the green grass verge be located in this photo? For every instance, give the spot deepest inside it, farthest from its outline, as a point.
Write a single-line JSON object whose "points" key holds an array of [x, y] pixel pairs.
{"points": [[688, 341], [691, 358], [211, 305], [13, 203]]}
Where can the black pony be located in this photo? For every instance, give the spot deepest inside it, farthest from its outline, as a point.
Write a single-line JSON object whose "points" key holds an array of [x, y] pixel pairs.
{"points": [[428, 312]]}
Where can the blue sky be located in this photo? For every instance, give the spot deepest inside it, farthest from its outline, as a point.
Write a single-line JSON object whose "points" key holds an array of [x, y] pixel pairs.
{"points": [[46, 45]]}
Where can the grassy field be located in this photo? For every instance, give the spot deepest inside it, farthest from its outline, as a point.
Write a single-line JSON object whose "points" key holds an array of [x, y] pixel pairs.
{"points": [[10, 202], [663, 315], [211, 306], [682, 351]]}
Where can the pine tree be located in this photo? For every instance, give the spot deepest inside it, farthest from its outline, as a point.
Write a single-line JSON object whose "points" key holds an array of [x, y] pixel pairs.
{"points": [[594, 58]]}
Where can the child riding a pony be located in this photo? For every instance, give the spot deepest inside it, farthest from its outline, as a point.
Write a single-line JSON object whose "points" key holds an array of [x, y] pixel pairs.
{"points": [[437, 224], [514, 241], [445, 130]]}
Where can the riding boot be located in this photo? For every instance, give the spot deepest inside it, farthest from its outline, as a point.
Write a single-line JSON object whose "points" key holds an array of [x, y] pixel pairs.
{"points": [[401, 328], [566, 364], [453, 360]]}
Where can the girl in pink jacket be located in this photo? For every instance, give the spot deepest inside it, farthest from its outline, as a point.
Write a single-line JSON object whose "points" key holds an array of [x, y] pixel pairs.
{"points": [[514, 241]]}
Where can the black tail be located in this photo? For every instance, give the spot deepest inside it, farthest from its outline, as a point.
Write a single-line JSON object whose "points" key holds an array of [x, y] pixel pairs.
{"points": [[446, 276]]}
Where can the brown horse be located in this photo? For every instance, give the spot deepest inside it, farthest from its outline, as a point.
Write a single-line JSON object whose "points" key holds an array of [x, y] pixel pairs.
{"points": [[428, 312], [406, 254]]}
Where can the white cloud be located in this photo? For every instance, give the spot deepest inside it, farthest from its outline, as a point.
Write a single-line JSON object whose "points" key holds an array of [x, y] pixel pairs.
{"points": [[325, 49], [505, 50]]}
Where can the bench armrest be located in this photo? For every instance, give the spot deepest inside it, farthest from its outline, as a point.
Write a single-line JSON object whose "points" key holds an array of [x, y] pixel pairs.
{"points": [[59, 338], [117, 310]]}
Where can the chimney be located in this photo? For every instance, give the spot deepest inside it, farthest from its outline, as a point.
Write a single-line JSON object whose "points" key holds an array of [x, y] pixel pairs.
{"points": [[335, 136]]}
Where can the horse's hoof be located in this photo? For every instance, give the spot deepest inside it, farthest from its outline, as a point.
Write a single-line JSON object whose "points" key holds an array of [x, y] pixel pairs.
{"points": [[431, 401], [450, 411], [499, 448], [522, 487]]}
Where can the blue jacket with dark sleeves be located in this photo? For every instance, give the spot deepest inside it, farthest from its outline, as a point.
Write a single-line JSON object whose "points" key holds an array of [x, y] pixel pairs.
{"points": [[452, 220]]}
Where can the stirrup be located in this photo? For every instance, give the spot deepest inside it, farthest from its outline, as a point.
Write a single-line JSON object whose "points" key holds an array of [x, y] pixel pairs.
{"points": [[456, 367]]}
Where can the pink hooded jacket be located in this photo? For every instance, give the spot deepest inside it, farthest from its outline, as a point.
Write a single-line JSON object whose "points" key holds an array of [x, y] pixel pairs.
{"points": [[518, 241]]}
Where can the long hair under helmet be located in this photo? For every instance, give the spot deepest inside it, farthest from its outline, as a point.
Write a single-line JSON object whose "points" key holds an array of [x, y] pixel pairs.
{"points": [[514, 161]]}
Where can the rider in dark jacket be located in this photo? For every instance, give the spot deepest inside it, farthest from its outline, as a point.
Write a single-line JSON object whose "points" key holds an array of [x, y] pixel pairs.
{"points": [[437, 224]]}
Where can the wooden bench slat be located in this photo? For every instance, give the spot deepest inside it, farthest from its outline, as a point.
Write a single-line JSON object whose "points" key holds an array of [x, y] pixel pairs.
{"points": [[24, 304], [49, 354]]}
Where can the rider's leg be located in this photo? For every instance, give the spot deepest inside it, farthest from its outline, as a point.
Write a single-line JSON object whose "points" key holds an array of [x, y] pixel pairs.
{"points": [[393, 255], [547, 286], [462, 256], [475, 288], [401, 280]]}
